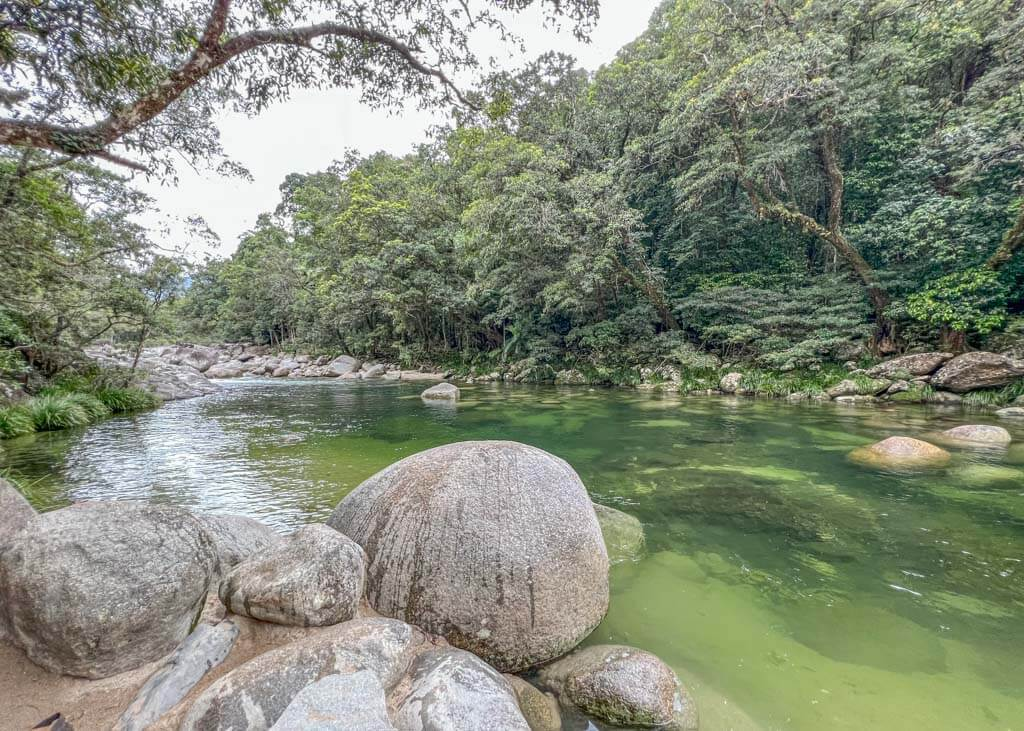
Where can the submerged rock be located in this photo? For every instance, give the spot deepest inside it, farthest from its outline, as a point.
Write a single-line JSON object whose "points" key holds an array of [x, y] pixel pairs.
{"points": [[99, 588], [623, 534], [916, 364], [442, 392], [341, 701], [971, 371], [978, 434], [15, 511], [1011, 412], [255, 695], [435, 524], [313, 578], [900, 452], [201, 651], [451, 689], [623, 686]]}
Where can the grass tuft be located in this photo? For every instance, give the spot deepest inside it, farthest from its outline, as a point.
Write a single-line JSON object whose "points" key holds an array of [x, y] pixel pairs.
{"points": [[15, 421], [52, 412]]}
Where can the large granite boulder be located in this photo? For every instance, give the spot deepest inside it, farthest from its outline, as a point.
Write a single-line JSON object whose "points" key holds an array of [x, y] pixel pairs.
{"points": [[623, 534], [255, 695], [900, 452], [343, 365], [15, 512], [196, 356], [99, 588], [622, 686], [341, 701], [441, 392], [916, 364], [237, 537], [374, 371], [971, 371], [979, 434], [453, 690], [313, 578], [231, 369], [493, 545]]}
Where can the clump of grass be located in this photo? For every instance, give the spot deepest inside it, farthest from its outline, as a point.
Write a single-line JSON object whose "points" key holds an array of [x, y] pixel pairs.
{"points": [[15, 421], [125, 400], [694, 379], [995, 396], [51, 412], [92, 406]]}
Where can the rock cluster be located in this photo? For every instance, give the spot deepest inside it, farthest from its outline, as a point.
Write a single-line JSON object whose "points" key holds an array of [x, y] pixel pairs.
{"points": [[101, 588]]}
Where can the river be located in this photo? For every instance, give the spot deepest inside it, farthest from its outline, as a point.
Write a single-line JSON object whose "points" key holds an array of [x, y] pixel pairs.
{"points": [[788, 587]]}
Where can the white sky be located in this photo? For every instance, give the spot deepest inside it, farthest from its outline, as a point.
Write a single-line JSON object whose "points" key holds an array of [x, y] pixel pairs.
{"points": [[313, 128]]}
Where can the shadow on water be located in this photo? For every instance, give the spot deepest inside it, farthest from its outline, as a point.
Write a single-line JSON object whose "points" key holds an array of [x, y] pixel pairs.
{"points": [[789, 587]]}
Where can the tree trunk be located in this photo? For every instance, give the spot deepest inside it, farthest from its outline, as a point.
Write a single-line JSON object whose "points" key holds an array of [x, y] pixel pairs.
{"points": [[1011, 243]]}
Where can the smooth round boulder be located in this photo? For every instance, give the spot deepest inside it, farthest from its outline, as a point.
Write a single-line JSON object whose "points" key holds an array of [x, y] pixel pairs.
{"points": [[313, 578], [979, 434], [441, 392], [15, 512], [622, 686], [493, 545], [900, 452], [730, 382], [99, 588], [1011, 412]]}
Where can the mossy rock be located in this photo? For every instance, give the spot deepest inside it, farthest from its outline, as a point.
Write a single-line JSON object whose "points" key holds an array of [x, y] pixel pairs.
{"points": [[623, 534]]}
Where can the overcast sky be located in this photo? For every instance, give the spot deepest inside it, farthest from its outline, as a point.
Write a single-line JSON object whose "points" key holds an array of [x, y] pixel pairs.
{"points": [[312, 128]]}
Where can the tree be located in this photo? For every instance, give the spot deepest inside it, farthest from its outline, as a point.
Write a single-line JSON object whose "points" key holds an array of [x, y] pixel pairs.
{"points": [[148, 75]]}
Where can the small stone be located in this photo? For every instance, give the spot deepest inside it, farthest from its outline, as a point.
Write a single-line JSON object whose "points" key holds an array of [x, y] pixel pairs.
{"points": [[341, 701], [314, 578]]}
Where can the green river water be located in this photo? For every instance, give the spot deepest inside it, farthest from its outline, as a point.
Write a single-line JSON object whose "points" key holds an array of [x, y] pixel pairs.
{"points": [[789, 588]]}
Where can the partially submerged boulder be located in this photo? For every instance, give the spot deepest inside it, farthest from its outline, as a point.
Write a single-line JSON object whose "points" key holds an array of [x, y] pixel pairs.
{"points": [[441, 392], [900, 452], [622, 686], [435, 523], [231, 369], [343, 365], [255, 695], [452, 689], [313, 578], [340, 701], [15, 511], [623, 534], [915, 364], [99, 588], [1011, 412], [978, 434], [971, 371], [540, 709]]}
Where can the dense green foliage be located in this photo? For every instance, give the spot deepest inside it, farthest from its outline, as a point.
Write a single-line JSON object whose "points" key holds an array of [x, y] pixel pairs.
{"points": [[784, 183]]}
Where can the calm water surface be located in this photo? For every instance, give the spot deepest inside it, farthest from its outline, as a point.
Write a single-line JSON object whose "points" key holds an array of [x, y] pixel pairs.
{"points": [[789, 588]]}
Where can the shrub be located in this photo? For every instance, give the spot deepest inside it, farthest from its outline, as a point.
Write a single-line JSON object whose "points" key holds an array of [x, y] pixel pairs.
{"points": [[124, 400], [15, 421], [51, 412]]}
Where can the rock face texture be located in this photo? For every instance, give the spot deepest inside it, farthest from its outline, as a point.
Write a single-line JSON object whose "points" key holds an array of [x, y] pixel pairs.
{"points": [[15, 512], [900, 452], [343, 365], [194, 356], [201, 651], [623, 686], [623, 534], [540, 709], [99, 588], [917, 364], [979, 434], [441, 392], [454, 689], [341, 701], [255, 695], [972, 371], [236, 537], [169, 381], [493, 545], [314, 578]]}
